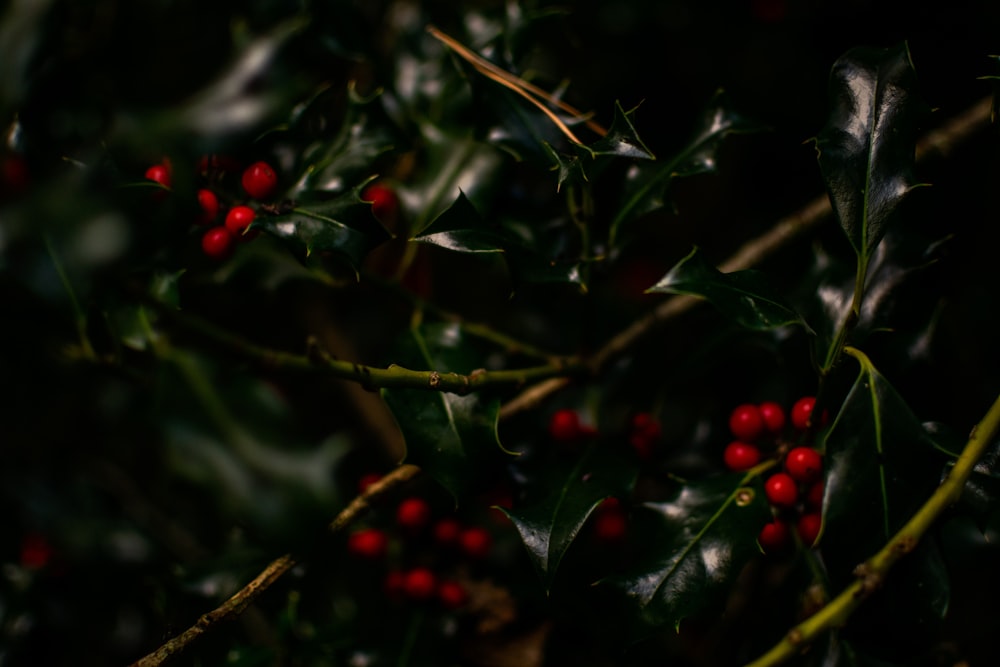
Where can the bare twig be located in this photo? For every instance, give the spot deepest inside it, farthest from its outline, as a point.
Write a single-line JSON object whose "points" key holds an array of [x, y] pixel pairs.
{"points": [[240, 600]]}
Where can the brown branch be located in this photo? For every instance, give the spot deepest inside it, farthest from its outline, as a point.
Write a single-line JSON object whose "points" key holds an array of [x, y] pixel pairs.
{"points": [[939, 142], [240, 600]]}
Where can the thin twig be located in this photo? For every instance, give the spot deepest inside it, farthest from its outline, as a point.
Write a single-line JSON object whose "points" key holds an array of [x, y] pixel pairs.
{"points": [[528, 91], [277, 568], [938, 142]]}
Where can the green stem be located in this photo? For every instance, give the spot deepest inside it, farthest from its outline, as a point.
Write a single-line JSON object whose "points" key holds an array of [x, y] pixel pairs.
{"points": [[79, 317], [833, 354], [410, 640], [873, 571], [373, 377]]}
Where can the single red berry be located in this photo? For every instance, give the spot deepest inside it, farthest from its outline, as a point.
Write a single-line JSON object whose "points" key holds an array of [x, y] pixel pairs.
{"points": [[774, 537], [610, 524], [419, 583], [452, 595], [367, 480], [383, 200], [746, 422], [781, 489], [36, 552], [804, 464], [239, 218], [413, 513], [740, 455], [217, 243], [209, 204], [394, 584], [447, 531], [475, 542], [814, 496], [368, 543], [260, 180], [14, 177], [802, 413], [158, 173], [564, 426], [774, 417], [808, 527]]}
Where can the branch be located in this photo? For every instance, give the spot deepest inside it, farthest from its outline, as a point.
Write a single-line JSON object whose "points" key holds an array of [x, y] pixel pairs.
{"points": [[873, 571], [240, 600], [939, 142]]}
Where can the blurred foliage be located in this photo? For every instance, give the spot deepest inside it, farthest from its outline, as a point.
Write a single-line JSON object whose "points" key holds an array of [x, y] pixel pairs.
{"points": [[169, 428]]}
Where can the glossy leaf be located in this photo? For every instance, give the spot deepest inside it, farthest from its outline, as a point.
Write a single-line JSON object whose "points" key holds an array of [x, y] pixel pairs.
{"points": [[343, 225], [745, 296], [881, 466], [446, 434], [549, 525], [461, 228], [698, 542], [866, 149], [647, 185], [622, 139]]}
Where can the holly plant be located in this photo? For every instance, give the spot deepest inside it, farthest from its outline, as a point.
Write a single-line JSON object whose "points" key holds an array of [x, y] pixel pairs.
{"points": [[368, 341]]}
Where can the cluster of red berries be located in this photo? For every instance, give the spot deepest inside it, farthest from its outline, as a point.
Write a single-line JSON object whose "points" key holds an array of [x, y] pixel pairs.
{"points": [[796, 492], [259, 182], [414, 520], [566, 427]]}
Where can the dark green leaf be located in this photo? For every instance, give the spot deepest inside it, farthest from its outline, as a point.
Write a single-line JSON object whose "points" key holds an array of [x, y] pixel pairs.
{"points": [[745, 296], [446, 434], [549, 526], [881, 466], [461, 228], [866, 149], [343, 225], [622, 139], [647, 185], [698, 542]]}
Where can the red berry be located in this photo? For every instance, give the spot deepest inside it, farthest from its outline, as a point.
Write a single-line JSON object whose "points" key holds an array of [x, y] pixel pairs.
{"points": [[368, 480], [475, 542], [383, 200], [610, 525], [217, 243], [782, 490], [808, 527], [36, 552], [802, 413], [368, 543], [804, 464], [774, 417], [209, 204], [394, 584], [413, 513], [644, 434], [260, 180], [774, 537], [452, 595], [740, 455], [564, 426], [746, 422], [447, 531], [14, 177], [159, 173], [814, 496], [419, 583], [239, 218]]}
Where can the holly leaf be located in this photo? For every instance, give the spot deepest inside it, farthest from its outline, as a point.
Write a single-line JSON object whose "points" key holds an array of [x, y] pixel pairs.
{"points": [[446, 434], [622, 139], [343, 225], [697, 542], [647, 185], [866, 149], [881, 466], [549, 525], [461, 228], [745, 296]]}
